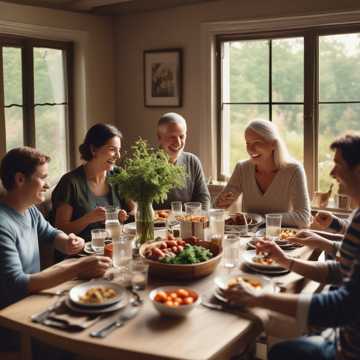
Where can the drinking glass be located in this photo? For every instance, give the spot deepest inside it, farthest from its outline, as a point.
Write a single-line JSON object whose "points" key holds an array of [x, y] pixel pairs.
{"points": [[98, 237], [192, 208], [231, 250], [342, 201], [122, 251], [112, 224], [217, 222], [273, 225], [139, 274], [176, 208]]}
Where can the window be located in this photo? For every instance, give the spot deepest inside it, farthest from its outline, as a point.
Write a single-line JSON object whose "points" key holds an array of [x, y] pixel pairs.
{"points": [[307, 82], [35, 99]]}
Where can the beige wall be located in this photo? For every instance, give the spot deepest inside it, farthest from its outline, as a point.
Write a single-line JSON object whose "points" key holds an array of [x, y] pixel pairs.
{"points": [[181, 27], [94, 55]]}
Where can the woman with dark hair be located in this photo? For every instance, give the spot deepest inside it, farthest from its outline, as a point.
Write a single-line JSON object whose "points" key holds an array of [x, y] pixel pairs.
{"points": [[80, 198]]}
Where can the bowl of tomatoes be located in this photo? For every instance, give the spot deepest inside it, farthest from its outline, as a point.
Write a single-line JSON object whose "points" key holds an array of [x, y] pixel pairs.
{"points": [[174, 300]]}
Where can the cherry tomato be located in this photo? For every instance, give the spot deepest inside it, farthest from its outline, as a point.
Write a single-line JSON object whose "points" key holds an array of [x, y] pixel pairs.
{"points": [[161, 296], [188, 300], [182, 293]]}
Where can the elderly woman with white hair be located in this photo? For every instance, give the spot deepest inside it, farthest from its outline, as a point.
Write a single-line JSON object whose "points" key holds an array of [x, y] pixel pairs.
{"points": [[270, 181]]}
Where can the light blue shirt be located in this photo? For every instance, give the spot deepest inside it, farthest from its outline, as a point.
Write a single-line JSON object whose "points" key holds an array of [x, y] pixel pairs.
{"points": [[19, 250]]}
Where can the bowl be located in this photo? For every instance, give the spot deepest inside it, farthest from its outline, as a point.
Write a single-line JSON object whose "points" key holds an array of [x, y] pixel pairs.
{"points": [[183, 271], [179, 310], [254, 220]]}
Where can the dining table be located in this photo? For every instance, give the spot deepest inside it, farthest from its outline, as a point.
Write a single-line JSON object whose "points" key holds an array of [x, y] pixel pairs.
{"points": [[203, 334]]}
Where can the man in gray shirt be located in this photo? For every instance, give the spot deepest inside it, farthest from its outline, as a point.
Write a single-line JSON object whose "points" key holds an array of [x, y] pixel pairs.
{"points": [[171, 132]]}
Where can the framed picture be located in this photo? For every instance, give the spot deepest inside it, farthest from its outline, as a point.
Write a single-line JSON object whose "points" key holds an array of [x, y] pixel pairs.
{"points": [[163, 77]]}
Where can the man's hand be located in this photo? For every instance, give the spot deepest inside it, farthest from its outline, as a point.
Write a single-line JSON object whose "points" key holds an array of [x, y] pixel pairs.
{"points": [[97, 215], [92, 266], [74, 244], [225, 199]]}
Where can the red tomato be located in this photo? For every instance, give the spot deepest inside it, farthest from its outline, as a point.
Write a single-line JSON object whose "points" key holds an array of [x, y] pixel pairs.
{"points": [[161, 296], [188, 300], [182, 293]]}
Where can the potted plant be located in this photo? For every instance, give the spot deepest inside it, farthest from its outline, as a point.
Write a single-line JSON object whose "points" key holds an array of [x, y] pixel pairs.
{"points": [[146, 177]]}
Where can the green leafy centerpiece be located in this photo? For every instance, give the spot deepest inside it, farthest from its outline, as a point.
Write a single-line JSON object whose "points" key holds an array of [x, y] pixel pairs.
{"points": [[147, 177]]}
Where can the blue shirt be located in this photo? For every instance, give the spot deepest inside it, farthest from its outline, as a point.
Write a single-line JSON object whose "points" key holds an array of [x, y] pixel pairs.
{"points": [[19, 250]]}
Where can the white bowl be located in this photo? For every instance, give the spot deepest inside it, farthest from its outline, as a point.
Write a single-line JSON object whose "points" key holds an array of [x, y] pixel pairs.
{"points": [[180, 310]]}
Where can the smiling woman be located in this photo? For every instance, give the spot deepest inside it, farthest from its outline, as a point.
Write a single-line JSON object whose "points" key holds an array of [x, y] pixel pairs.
{"points": [[270, 181], [80, 198]]}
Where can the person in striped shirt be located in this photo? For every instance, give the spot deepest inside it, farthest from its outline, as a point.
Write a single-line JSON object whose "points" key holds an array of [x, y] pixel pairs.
{"points": [[338, 308]]}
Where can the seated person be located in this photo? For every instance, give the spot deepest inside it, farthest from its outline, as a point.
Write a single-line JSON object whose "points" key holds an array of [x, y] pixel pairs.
{"points": [[337, 308], [80, 198], [23, 173], [171, 132], [326, 220], [270, 181]]}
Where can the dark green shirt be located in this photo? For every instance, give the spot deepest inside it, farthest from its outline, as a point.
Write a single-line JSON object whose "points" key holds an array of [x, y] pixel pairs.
{"points": [[73, 189]]}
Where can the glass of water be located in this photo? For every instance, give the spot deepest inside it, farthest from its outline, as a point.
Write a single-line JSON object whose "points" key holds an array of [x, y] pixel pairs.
{"points": [[193, 208], [122, 251], [176, 209], [217, 222], [98, 237], [273, 226], [139, 274], [231, 250]]}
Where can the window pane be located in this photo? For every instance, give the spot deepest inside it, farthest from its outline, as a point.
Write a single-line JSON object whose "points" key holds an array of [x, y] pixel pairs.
{"points": [[51, 137], [288, 70], [339, 66], [290, 122], [14, 127], [334, 120], [12, 76], [249, 71], [235, 118], [49, 80]]}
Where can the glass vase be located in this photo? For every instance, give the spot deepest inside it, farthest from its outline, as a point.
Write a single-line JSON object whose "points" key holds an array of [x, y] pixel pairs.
{"points": [[144, 219]]}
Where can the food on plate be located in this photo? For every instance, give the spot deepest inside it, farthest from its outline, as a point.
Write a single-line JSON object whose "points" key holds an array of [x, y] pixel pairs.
{"points": [[286, 233], [179, 251], [97, 295], [239, 219], [176, 298], [161, 215], [262, 260], [256, 284], [193, 218]]}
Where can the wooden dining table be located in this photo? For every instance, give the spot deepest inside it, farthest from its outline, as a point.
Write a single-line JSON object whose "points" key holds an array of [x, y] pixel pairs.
{"points": [[202, 335]]}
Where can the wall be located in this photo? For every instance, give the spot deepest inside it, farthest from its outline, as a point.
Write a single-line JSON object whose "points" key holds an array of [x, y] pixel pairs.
{"points": [[94, 55], [181, 27]]}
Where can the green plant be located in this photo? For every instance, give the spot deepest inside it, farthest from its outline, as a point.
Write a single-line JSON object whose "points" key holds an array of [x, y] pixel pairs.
{"points": [[148, 175]]}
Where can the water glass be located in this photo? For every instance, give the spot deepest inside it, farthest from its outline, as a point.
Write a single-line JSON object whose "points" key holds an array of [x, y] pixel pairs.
{"points": [[98, 237], [122, 251], [192, 208], [176, 208], [273, 225], [139, 274], [112, 224], [231, 250], [217, 222]]}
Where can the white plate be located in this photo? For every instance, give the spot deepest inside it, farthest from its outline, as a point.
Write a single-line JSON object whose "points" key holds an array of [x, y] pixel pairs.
{"points": [[77, 291], [285, 245], [262, 232], [90, 310], [267, 272], [248, 258], [223, 280]]}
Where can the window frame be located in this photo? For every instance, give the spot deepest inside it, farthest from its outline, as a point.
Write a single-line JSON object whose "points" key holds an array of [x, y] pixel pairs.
{"points": [[27, 45], [311, 86]]}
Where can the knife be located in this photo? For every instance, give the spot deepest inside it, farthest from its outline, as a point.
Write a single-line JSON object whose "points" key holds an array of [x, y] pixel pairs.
{"points": [[120, 321]]}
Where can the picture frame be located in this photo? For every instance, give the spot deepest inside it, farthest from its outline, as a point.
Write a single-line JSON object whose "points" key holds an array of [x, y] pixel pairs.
{"points": [[163, 78]]}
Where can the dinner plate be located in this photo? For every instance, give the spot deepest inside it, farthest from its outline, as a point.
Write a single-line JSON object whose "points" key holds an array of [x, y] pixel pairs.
{"points": [[248, 257], [257, 220], [267, 272], [262, 232], [78, 291], [285, 245], [224, 300], [222, 281], [91, 310]]}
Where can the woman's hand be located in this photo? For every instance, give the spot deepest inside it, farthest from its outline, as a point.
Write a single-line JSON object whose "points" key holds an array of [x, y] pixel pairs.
{"points": [[123, 216], [74, 244], [92, 266], [97, 215], [241, 295], [322, 220], [225, 199], [273, 251]]}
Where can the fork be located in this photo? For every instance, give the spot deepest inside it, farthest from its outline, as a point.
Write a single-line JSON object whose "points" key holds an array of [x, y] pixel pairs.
{"points": [[41, 316]]}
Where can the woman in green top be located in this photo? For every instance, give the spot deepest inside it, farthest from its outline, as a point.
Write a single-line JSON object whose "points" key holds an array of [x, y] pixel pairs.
{"points": [[80, 198]]}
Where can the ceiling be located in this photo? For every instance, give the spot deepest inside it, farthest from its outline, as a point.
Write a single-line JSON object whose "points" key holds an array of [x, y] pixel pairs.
{"points": [[108, 7]]}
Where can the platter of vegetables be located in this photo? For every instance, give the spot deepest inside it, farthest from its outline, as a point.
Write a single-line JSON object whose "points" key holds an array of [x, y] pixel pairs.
{"points": [[181, 258]]}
